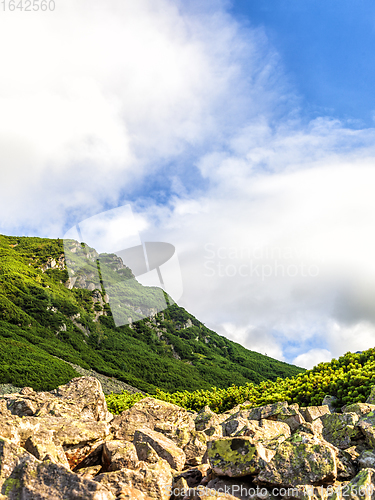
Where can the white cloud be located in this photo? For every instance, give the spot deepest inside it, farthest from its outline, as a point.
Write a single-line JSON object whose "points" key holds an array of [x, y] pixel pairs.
{"points": [[280, 253], [94, 98], [357, 336], [312, 358]]}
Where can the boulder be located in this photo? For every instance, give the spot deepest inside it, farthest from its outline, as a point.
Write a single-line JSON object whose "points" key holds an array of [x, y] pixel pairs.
{"points": [[291, 416], [23, 476], [315, 427], [206, 418], [268, 432], [340, 429], [41, 445], [81, 398], [146, 453], [301, 459], [311, 413], [9, 428], [150, 413], [362, 486], [346, 468], [237, 456], [4, 412], [371, 399], [154, 480], [237, 423], [163, 446], [366, 425], [366, 459], [196, 448], [89, 472], [268, 411], [117, 455], [360, 409], [77, 437]]}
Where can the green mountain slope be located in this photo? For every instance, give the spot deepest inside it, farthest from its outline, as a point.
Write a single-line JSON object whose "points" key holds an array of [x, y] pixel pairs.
{"points": [[47, 316]]}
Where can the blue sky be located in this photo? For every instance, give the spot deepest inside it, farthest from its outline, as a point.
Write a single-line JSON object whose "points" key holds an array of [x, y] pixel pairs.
{"points": [[327, 49], [241, 132]]}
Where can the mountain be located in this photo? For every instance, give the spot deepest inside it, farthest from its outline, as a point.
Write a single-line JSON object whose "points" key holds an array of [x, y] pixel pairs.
{"points": [[51, 320]]}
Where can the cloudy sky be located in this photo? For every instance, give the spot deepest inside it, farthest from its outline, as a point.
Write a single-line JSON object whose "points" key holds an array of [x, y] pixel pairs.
{"points": [[241, 131]]}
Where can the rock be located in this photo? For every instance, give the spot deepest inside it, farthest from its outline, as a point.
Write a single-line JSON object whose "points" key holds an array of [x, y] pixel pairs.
{"points": [[12, 456], [193, 477], [132, 494], [47, 480], [330, 402], [23, 476], [340, 429], [77, 437], [267, 411], [301, 459], [232, 489], [315, 427], [371, 399], [89, 472], [360, 409], [151, 413], [237, 456], [9, 428], [180, 489], [346, 469], [117, 455], [277, 445], [291, 416], [146, 453], [206, 418], [311, 413], [268, 432], [163, 446], [360, 487], [237, 423], [154, 480], [366, 459], [366, 425], [41, 445], [196, 448], [81, 398]]}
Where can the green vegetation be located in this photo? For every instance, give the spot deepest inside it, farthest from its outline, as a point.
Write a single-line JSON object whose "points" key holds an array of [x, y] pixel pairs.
{"points": [[42, 323], [348, 378]]}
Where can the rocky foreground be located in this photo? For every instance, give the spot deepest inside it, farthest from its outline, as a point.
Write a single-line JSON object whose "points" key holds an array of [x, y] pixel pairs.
{"points": [[64, 444]]}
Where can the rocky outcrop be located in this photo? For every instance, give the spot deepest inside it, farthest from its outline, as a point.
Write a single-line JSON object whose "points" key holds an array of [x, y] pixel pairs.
{"points": [[64, 444]]}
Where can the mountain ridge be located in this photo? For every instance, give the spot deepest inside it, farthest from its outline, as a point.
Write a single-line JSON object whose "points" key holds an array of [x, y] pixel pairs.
{"points": [[45, 316]]}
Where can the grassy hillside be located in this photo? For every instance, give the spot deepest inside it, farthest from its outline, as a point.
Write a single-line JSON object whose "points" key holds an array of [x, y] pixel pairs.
{"points": [[348, 378], [42, 323]]}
